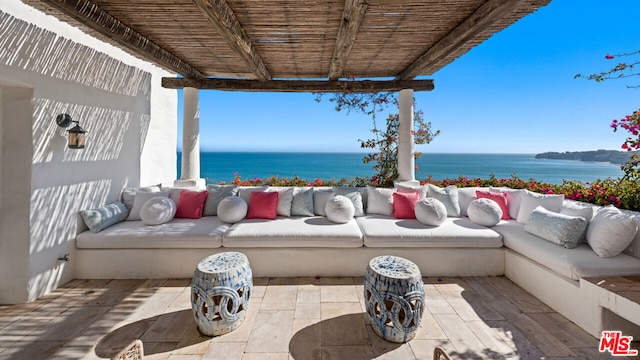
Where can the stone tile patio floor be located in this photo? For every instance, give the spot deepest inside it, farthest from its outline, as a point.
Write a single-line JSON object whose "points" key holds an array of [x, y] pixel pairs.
{"points": [[288, 318]]}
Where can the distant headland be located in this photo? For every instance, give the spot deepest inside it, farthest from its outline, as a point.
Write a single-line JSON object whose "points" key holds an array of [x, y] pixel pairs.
{"points": [[612, 156]]}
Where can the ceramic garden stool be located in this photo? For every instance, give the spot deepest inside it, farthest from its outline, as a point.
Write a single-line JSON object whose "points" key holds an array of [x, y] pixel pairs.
{"points": [[394, 297], [220, 292]]}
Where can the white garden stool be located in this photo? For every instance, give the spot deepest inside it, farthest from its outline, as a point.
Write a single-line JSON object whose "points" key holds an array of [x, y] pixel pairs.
{"points": [[220, 292], [394, 297]]}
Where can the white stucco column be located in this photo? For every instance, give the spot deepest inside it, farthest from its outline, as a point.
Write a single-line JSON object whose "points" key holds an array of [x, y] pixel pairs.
{"points": [[406, 161], [190, 172]]}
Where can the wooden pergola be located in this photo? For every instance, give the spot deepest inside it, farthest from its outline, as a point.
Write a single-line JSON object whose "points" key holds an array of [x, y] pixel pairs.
{"points": [[294, 45]]}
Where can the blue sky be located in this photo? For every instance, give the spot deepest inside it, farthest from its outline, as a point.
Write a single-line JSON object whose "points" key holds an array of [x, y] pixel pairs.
{"points": [[514, 93]]}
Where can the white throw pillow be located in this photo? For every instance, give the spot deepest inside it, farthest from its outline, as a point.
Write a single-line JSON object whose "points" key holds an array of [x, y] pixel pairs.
{"points": [[531, 200], [174, 193], [355, 195], [216, 194], [380, 201], [320, 199], [232, 209], [572, 208], [610, 232], [302, 202], [157, 210], [128, 194], [430, 212], [485, 212], [448, 196], [514, 199], [285, 197], [339, 209], [466, 195], [560, 229], [140, 199], [245, 192], [410, 189]]}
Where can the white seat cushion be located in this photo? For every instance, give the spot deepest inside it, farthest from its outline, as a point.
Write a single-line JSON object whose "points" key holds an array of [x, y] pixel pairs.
{"points": [[386, 231], [572, 263], [316, 231], [203, 233]]}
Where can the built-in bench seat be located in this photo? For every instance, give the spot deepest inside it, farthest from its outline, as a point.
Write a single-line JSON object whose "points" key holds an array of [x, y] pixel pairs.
{"points": [[315, 246], [294, 232], [389, 232], [556, 275], [203, 233], [576, 263]]}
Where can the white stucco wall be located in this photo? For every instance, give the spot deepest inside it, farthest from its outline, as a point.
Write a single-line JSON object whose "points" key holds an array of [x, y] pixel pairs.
{"points": [[131, 124], [15, 191]]}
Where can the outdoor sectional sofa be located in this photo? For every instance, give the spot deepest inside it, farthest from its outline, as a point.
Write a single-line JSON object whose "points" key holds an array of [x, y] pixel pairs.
{"points": [[313, 245]]}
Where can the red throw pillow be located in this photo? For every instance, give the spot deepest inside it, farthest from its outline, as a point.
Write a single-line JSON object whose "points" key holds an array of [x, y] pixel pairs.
{"points": [[190, 204], [500, 198], [263, 205], [404, 204]]}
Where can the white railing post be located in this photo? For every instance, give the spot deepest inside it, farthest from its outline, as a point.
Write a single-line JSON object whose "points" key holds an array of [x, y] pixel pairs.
{"points": [[190, 171], [406, 161]]}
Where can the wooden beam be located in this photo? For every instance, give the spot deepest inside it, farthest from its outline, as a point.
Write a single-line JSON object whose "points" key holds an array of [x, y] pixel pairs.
{"points": [[90, 14], [488, 13], [297, 85], [224, 20], [352, 16]]}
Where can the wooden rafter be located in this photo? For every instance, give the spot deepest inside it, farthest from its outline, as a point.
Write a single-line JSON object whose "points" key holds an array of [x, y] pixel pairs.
{"points": [[488, 13], [298, 85], [99, 20], [224, 20], [352, 16]]}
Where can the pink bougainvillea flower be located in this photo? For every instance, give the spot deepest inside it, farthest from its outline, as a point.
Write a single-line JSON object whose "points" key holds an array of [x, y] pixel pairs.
{"points": [[609, 57]]}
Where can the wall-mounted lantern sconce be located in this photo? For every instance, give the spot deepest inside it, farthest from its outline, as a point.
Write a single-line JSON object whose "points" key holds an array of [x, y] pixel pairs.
{"points": [[76, 133]]}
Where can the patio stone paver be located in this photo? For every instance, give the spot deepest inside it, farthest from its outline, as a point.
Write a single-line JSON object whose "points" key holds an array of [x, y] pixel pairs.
{"points": [[289, 318], [307, 311], [308, 297], [271, 332]]}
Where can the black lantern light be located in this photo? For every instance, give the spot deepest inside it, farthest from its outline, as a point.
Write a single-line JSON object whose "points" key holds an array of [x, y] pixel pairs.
{"points": [[76, 133]]}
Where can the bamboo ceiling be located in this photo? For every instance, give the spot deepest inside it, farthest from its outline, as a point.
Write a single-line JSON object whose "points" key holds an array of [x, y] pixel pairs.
{"points": [[294, 39]]}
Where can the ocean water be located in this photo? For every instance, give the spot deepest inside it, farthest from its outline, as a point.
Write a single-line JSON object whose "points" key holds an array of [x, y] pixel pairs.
{"points": [[221, 166]]}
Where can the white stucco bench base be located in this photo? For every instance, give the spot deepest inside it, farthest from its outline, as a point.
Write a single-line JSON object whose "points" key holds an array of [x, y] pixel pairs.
{"points": [[284, 262]]}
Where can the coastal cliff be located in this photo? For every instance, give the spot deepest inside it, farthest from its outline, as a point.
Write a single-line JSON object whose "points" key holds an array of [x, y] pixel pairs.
{"points": [[612, 156]]}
